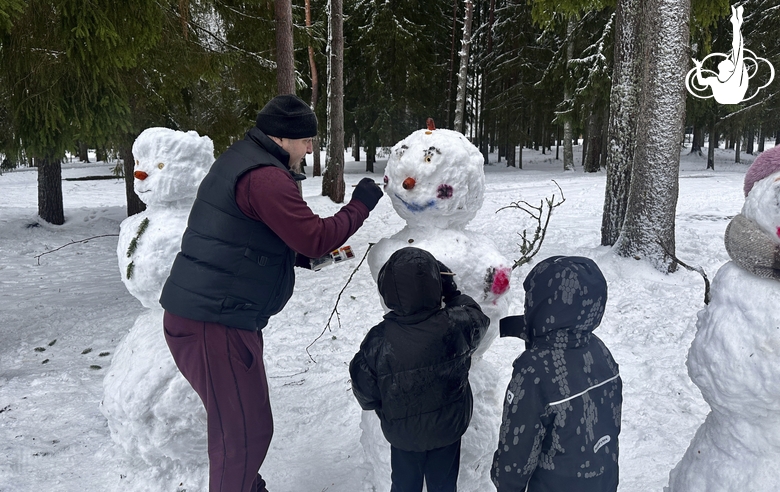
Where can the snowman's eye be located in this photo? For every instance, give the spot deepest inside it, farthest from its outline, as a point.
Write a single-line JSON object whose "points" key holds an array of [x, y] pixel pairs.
{"points": [[160, 165]]}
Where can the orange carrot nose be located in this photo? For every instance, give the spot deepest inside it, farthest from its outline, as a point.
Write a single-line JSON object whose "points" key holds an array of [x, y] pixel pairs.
{"points": [[408, 183], [140, 175], [430, 124]]}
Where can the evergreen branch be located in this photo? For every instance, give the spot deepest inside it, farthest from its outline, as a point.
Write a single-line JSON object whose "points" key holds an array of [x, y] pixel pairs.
{"points": [[336, 306], [38, 257]]}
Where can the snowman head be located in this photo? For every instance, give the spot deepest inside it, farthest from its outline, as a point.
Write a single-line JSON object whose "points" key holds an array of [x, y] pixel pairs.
{"points": [[435, 178], [762, 205], [169, 164]]}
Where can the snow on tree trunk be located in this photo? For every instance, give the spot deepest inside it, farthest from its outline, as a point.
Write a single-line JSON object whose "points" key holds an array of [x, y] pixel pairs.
{"points": [[50, 206], [623, 113], [568, 133], [460, 100], [285, 62], [333, 180], [648, 228]]}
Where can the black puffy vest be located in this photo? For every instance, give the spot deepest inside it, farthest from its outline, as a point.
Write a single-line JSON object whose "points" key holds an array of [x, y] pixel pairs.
{"points": [[231, 269]]}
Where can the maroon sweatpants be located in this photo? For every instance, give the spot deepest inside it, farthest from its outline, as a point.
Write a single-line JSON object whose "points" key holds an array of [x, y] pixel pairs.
{"points": [[225, 367]]}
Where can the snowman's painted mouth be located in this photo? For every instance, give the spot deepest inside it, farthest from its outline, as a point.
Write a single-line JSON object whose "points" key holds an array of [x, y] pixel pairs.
{"points": [[414, 207]]}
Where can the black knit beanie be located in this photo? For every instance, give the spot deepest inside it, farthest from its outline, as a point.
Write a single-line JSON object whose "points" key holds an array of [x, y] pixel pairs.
{"points": [[287, 116]]}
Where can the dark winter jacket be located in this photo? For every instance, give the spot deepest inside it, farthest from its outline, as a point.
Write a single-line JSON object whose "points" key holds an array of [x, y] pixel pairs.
{"points": [[562, 409], [412, 368], [231, 269]]}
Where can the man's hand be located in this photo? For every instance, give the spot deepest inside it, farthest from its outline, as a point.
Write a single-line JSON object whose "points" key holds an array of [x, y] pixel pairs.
{"points": [[367, 192]]}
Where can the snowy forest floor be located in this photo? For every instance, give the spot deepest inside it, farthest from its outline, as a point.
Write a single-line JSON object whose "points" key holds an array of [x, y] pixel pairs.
{"points": [[63, 314]]}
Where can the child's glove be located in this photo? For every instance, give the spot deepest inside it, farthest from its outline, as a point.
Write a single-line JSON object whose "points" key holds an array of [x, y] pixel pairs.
{"points": [[449, 289]]}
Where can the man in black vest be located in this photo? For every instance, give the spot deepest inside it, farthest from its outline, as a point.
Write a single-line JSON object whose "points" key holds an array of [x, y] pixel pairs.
{"points": [[248, 227]]}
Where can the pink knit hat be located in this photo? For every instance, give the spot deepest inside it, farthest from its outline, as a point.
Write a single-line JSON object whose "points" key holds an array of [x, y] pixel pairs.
{"points": [[765, 164]]}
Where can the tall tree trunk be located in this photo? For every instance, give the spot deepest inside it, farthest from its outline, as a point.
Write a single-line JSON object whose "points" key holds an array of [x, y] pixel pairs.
{"points": [[134, 204], [761, 139], [356, 146], [333, 180], [698, 139], [50, 206], [592, 162], [315, 93], [713, 143], [460, 100], [568, 132], [623, 115], [452, 62], [648, 229], [751, 141], [83, 152], [370, 155], [285, 62], [737, 148]]}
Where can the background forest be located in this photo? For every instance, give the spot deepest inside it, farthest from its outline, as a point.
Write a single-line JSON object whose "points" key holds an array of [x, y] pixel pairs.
{"points": [[509, 74]]}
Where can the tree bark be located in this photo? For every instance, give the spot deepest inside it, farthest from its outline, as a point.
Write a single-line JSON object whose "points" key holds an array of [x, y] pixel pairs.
{"points": [[50, 206], [134, 204], [623, 114], [83, 152], [737, 148], [315, 94], [452, 62], [460, 100], [648, 229], [761, 139], [568, 132], [285, 61], [713, 144], [333, 180]]}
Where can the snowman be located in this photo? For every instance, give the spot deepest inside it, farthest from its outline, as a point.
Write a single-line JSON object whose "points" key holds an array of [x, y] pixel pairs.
{"points": [[734, 358], [152, 411], [435, 180]]}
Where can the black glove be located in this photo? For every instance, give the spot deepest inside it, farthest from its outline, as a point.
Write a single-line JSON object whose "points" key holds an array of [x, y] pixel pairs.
{"points": [[449, 289], [367, 192]]}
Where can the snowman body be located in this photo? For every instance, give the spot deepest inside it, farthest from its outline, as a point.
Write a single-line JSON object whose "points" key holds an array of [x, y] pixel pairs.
{"points": [[734, 359], [435, 180], [152, 411]]}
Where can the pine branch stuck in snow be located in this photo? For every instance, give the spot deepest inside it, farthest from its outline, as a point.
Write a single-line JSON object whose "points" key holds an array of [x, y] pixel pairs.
{"points": [[336, 306], [542, 213]]}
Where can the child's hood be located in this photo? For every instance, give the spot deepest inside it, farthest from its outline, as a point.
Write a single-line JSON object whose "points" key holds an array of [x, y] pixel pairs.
{"points": [[564, 292], [410, 282]]}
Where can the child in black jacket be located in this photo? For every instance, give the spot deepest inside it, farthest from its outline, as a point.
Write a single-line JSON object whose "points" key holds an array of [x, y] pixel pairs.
{"points": [[412, 369], [562, 408]]}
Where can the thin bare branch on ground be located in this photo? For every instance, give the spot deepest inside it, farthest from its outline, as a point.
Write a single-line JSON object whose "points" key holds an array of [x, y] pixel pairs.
{"points": [[699, 270], [336, 306], [38, 257]]}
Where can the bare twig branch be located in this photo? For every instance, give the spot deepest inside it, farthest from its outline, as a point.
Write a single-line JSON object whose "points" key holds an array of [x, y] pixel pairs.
{"points": [[542, 213], [699, 270], [38, 257], [336, 306]]}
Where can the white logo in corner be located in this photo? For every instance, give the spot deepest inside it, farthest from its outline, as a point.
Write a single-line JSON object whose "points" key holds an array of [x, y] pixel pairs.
{"points": [[730, 84], [600, 443]]}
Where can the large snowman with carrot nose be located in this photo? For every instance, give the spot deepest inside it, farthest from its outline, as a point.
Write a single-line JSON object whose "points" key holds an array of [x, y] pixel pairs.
{"points": [[436, 181], [152, 412]]}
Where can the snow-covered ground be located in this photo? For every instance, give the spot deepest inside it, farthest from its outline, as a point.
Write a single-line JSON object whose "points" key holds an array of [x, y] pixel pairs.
{"points": [[62, 315]]}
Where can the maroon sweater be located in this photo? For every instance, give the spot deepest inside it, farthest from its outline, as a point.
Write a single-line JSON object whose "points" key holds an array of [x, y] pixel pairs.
{"points": [[269, 195]]}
